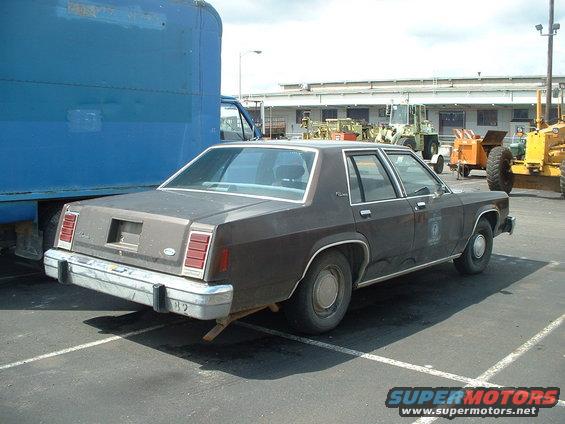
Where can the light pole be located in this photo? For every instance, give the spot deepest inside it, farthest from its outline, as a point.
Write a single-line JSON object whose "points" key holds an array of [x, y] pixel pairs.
{"points": [[241, 54], [553, 27]]}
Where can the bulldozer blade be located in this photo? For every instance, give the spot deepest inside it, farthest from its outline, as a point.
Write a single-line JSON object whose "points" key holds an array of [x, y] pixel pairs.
{"points": [[537, 182]]}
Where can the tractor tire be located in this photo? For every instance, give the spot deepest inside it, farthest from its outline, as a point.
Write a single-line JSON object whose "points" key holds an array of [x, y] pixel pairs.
{"points": [[499, 172], [431, 147], [408, 142], [562, 178]]}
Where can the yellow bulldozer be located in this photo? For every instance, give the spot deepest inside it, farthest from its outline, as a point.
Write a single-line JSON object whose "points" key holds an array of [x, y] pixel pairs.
{"points": [[543, 164]]}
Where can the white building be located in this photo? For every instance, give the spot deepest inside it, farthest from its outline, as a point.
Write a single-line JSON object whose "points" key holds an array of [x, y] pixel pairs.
{"points": [[480, 103]]}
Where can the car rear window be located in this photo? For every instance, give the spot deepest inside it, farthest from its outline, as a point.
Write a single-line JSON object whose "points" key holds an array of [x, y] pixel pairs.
{"points": [[252, 171]]}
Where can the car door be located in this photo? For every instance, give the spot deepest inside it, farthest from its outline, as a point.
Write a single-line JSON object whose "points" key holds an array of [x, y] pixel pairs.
{"points": [[381, 214], [438, 212]]}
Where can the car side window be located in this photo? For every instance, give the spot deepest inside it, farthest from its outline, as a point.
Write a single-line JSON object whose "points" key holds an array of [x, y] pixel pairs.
{"points": [[368, 180], [417, 180]]}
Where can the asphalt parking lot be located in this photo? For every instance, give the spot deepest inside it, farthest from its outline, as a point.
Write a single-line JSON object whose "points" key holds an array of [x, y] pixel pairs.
{"points": [[73, 355]]}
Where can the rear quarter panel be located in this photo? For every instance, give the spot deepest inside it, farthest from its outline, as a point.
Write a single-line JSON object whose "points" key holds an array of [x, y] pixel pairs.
{"points": [[476, 204], [269, 252]]}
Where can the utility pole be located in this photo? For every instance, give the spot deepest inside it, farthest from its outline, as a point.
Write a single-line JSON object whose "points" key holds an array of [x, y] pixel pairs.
{"points": [[241, 54], [549, 64]]}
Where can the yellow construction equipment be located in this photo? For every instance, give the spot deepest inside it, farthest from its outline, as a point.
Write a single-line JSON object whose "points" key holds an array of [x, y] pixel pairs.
{"points": [[338, 129], [543, 165]]}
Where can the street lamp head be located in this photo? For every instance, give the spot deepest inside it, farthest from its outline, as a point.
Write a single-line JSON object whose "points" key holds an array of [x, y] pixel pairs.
{"points": [[539, 27], [260, 51]]}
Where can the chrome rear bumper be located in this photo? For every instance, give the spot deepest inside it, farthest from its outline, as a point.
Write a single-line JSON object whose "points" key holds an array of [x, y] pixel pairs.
{"points": [[164, 292]]}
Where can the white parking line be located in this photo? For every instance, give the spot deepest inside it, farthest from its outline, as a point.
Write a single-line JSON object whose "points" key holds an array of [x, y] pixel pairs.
{"points": [[85, 346], [509, 359], [370, 356]]}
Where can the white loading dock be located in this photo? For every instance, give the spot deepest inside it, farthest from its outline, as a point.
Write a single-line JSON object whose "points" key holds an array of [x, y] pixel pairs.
{"points": [[479, 104]]}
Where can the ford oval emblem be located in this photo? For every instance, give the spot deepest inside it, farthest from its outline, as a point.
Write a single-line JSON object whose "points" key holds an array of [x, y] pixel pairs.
{"points": [[169, 251]]}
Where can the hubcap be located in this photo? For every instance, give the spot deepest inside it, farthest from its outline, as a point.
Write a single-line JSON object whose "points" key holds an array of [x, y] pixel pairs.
{"points": [[479, 246], [326, 289]]}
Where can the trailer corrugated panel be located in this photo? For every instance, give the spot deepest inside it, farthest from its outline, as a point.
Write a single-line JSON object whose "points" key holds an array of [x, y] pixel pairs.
{"points": [[102, 97]]}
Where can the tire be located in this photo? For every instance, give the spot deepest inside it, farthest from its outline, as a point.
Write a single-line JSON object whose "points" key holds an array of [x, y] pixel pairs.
{"points": [[431, 147], [562, 178], [311, 313], [408, 142], [476, 255], [464, 171], [499, 172], [438, 166], [49, 227]]}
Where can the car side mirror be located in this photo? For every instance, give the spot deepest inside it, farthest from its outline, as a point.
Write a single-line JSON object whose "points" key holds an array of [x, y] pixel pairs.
{"points": [[442, 189]]}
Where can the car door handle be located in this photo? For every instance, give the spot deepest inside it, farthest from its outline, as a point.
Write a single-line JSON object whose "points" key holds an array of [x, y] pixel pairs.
{"points": [[420, 205], [365, 213]]}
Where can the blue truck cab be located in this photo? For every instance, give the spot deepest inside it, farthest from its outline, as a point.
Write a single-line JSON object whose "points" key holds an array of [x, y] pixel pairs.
{"points": [[101, 98]]}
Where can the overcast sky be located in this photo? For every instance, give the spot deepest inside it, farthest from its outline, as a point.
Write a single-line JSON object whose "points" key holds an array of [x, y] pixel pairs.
{"points": [[329, 40]]}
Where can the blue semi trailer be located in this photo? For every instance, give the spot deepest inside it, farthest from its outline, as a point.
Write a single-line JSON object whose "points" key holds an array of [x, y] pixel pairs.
{"points": [[100, 98]]}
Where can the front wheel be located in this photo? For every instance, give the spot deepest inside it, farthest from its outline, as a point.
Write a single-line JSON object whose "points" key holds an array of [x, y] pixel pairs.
{"points": [[322, 297], [476, 255], [499, 169], [431, 147]]}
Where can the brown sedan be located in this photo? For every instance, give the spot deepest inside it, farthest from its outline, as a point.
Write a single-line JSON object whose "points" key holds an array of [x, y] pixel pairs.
{"points": [[243, 226]]}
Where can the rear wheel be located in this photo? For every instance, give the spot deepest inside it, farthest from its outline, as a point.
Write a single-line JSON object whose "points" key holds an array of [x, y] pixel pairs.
{"points": [[49, 226], [431, 147], [322, 297], [476, 255], [562, 178], [499, 171], [408, 142]]}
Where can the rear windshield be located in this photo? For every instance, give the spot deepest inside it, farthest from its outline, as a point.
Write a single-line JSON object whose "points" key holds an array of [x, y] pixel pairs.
{"points": [[255, 171]]}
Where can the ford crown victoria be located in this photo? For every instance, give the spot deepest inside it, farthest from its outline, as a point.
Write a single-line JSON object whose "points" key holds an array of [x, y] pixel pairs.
{"points": [[300, 224]]}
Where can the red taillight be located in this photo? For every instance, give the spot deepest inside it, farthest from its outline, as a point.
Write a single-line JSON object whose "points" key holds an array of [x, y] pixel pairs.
{"points": [[198, 245], [67, 229]]}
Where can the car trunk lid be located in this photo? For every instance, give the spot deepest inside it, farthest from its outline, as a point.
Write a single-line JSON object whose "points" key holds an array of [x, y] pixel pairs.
{"points": [[147, 230]]}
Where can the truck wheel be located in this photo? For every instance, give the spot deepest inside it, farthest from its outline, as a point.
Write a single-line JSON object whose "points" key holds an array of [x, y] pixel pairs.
{"points": [[476, 255], [499, 171], [464, 171], [408, 142], [49, 227], [322, 297], [438, 166], [431, 147], [562, 178]]}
